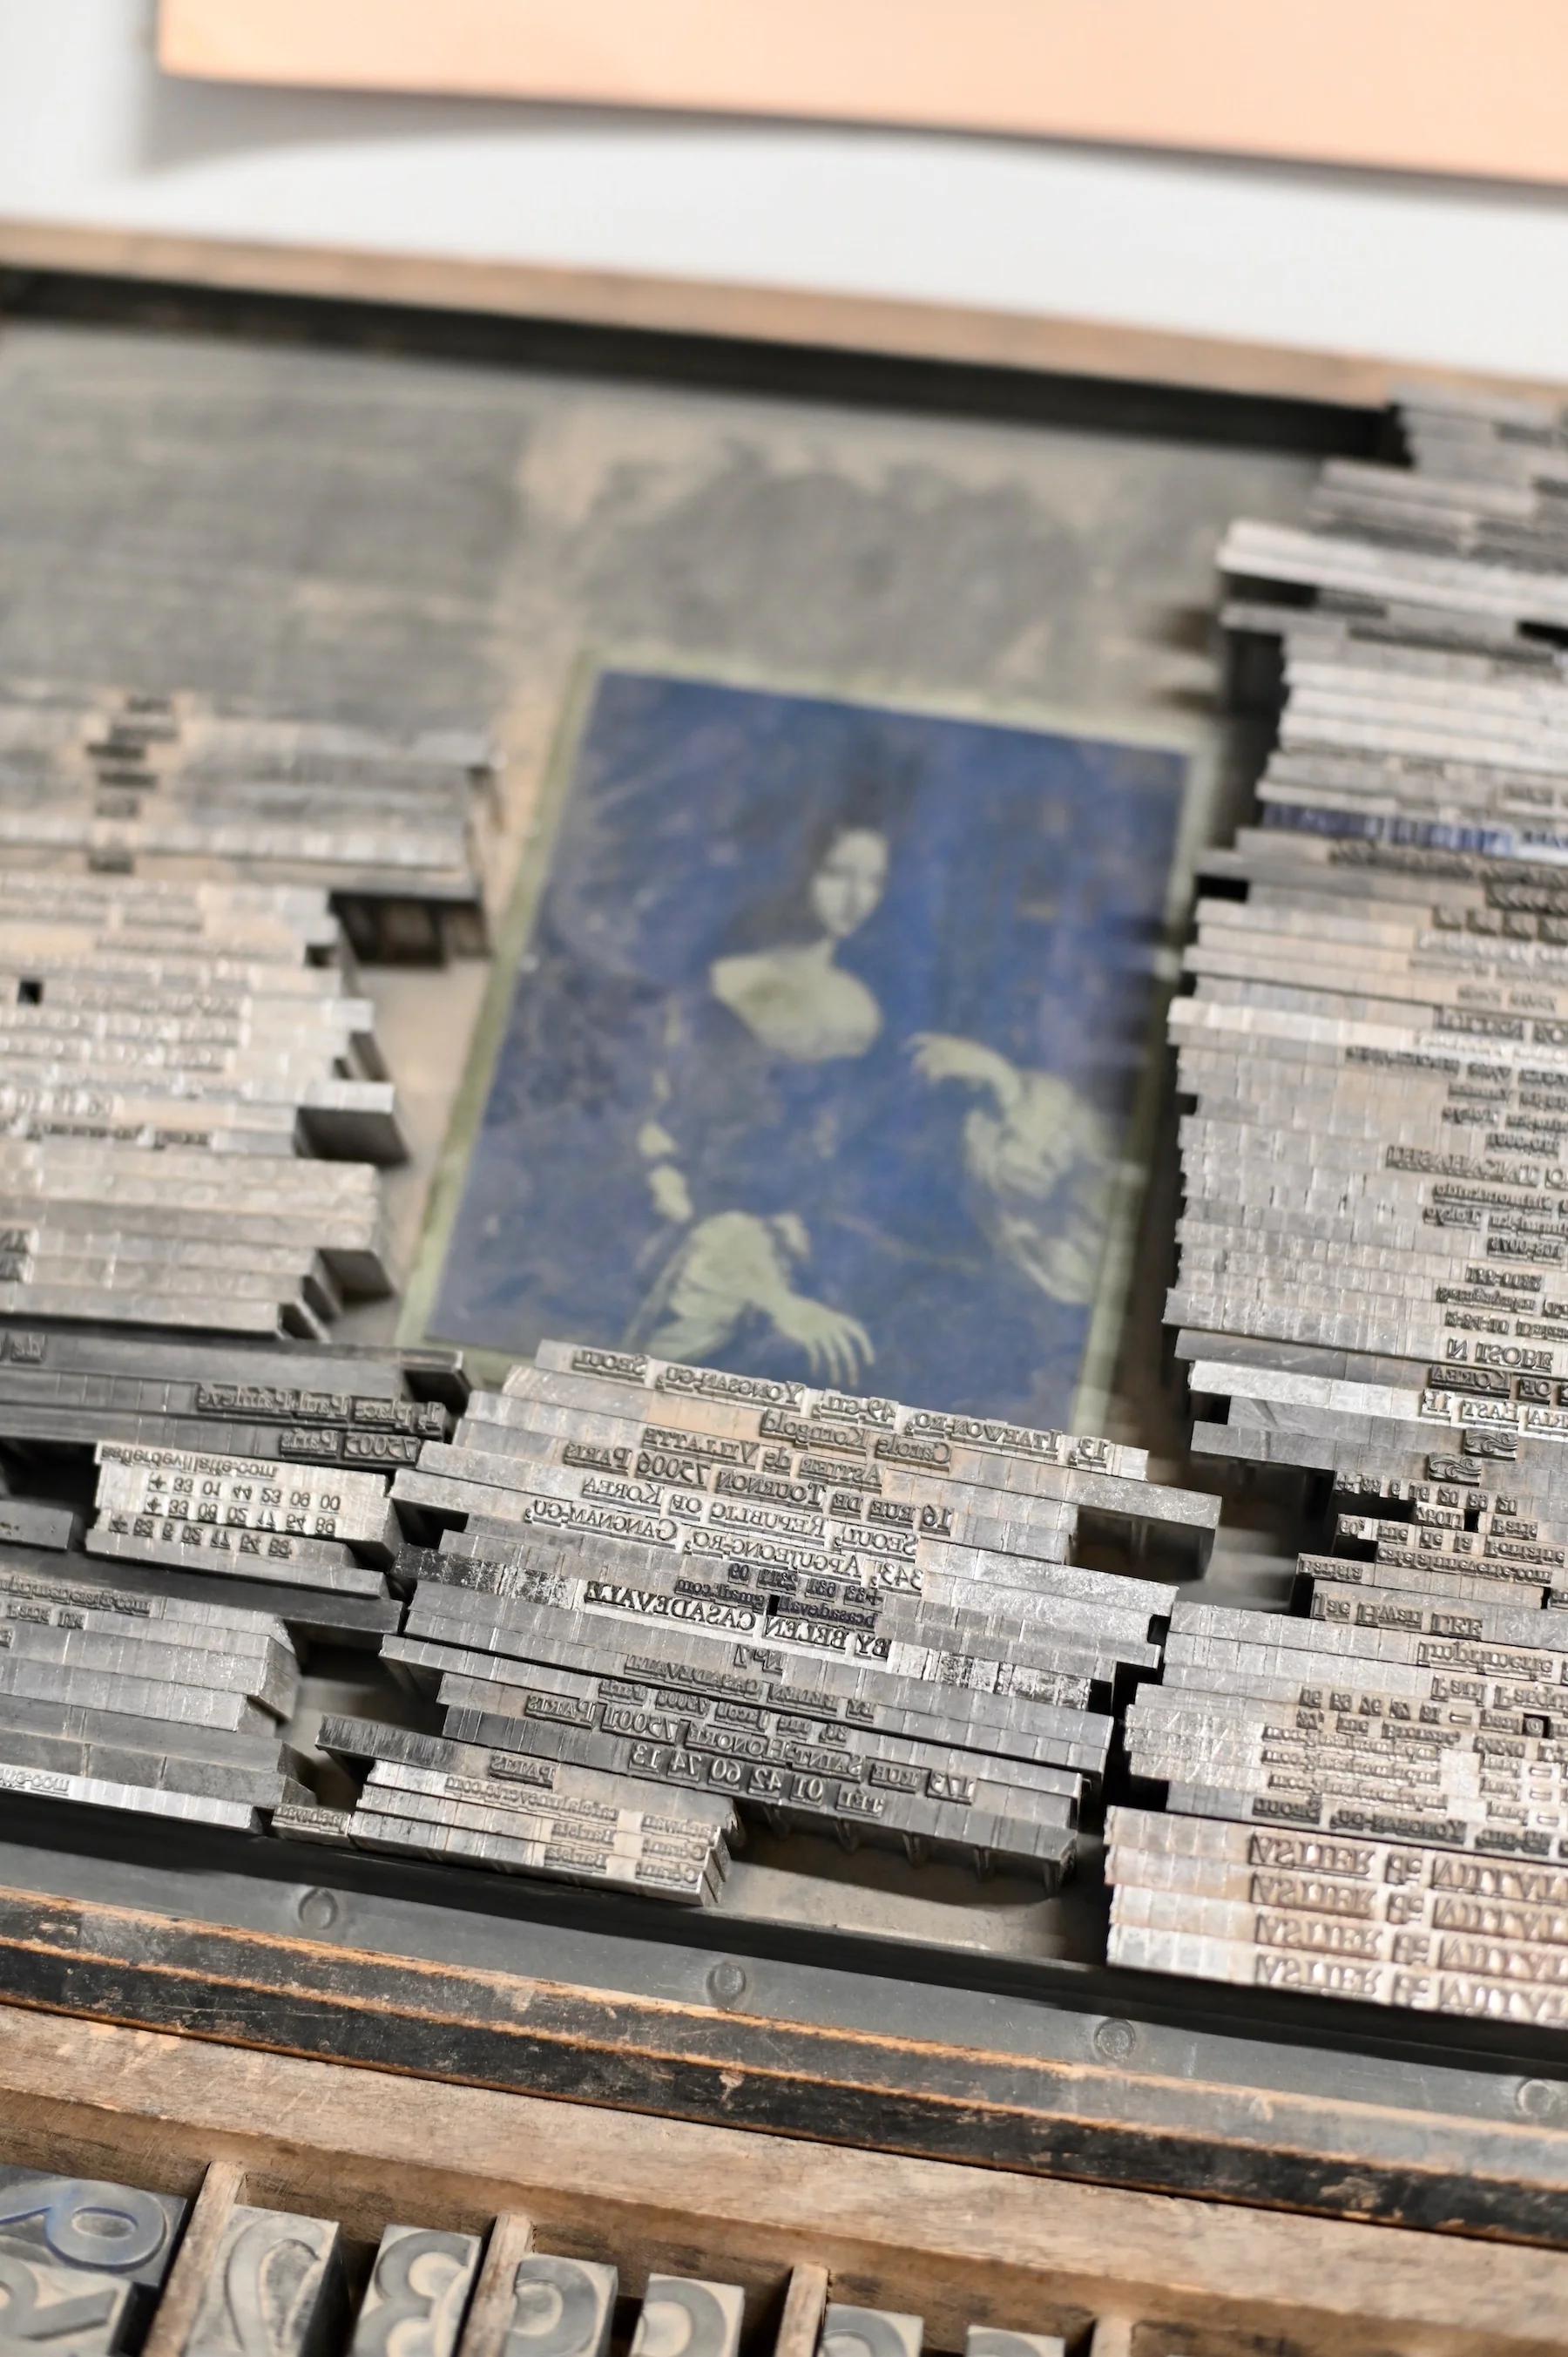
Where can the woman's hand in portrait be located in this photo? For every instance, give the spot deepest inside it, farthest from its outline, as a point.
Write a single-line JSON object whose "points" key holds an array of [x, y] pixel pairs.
{"points": [[939, 1055], [838, 1348]]}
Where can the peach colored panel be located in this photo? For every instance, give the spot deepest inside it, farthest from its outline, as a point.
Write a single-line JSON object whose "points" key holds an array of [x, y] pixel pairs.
{"points": [[1426, 85]]}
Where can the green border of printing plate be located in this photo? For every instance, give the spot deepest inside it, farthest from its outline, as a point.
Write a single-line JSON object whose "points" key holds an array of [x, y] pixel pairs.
{"points": [[1199, 744]]}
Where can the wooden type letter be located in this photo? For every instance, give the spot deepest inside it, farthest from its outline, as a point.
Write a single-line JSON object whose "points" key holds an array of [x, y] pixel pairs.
{"points": [[79, 2221], [561, 2308], [66, 2312], [418, 2289], [683, 2318], [869, 2332], [274, 2290]]}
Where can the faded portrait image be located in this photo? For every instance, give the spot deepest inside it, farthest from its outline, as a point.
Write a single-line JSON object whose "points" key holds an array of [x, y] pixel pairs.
{"points": [[821, 1057]]}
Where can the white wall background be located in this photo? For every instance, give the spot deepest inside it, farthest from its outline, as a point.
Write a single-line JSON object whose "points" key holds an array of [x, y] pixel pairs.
{"points": [[1454, 274]]}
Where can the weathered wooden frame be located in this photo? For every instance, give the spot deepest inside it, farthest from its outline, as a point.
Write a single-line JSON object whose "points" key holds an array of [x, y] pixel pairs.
{"points": [[792, 2224], [443, 1997]]}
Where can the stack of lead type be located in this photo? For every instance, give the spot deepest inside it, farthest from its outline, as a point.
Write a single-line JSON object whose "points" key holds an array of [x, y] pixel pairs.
{"points": [[392, 826], [1365, 1796], [496, 1805], [843, 1615], [193, 1111], [153, 1666], [161, 1706], [1472, 531], [192, 1108]]}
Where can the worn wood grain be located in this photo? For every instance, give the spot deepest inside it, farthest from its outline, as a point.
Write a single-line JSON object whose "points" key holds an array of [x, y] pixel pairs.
{"points": [[963, 335], [959, 2245], [222, 2188], [696, 2061], [805, 2298], [489, 2313]]}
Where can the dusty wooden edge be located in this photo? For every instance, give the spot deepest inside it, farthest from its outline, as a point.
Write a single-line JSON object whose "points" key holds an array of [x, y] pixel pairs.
{"points": [[489, 2319], [681, 2056], [222, 2188], [801, 318], [805, 2298], [956, 2245]]}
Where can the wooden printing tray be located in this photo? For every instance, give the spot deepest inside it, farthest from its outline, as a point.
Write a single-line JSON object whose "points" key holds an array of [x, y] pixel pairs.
{"points": [[1116, 2273], [1069, 2072], [512, 493], [848, 2006]]}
